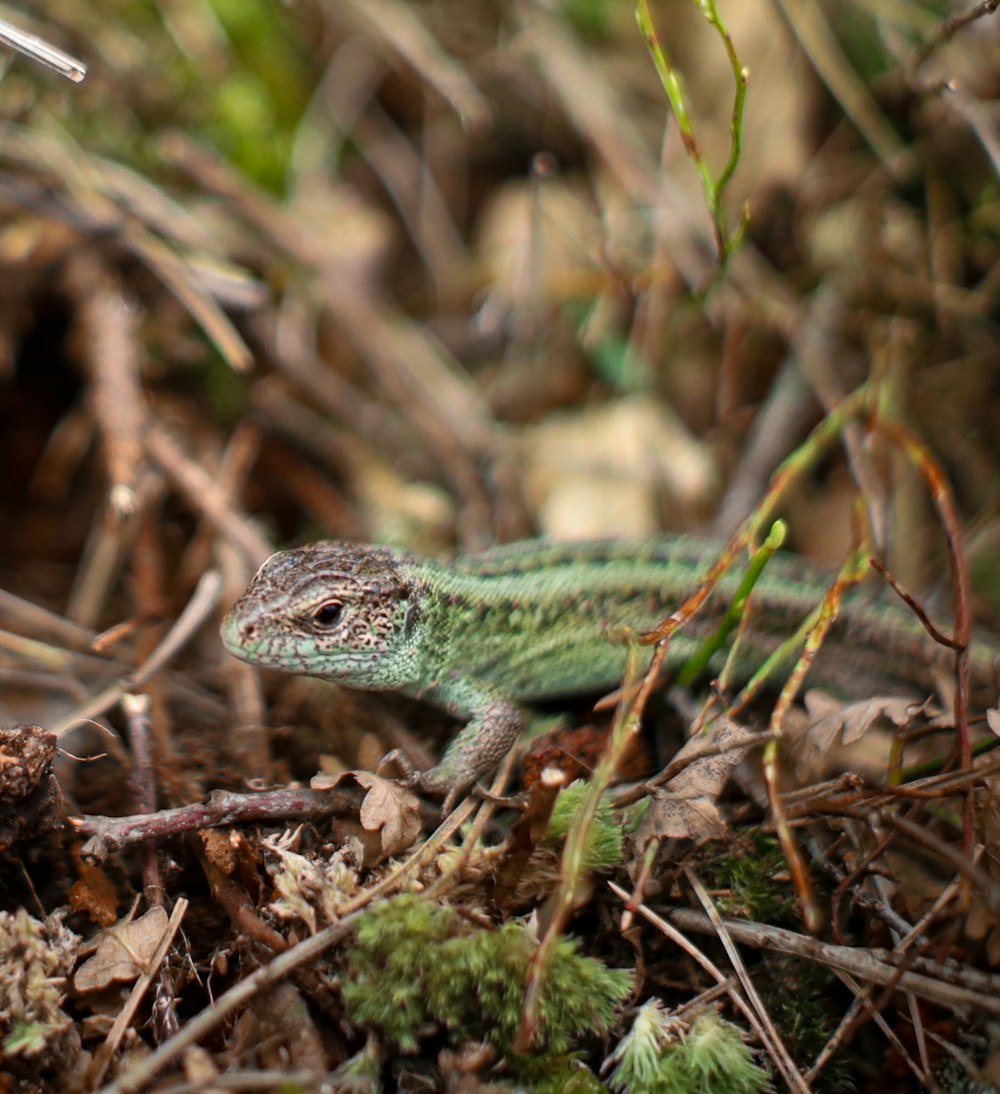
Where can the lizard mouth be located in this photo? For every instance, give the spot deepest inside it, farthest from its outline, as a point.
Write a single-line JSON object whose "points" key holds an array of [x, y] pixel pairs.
{"points": [[239, 639]]}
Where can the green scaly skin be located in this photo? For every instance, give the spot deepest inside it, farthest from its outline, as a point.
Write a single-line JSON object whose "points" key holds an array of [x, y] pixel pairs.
{"points": [[482, 633]]}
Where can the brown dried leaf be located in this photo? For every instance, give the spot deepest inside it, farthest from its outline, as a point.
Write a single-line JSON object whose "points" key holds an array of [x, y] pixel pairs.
{"points": [[391, 811], [124, 952], [220, 851], [830, 719], [388, 808], [685, 807], [94, 894]]}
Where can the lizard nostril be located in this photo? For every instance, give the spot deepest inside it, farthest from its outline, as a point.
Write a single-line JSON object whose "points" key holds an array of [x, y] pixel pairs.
{"points": [[239, 631]]}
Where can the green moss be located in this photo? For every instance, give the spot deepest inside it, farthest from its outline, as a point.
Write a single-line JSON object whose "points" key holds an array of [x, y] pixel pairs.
{"points": [[553, 1075], [663, 1055], [415, 966], [29, 1038], [603, 846], [805, 1003], [754, 881]]}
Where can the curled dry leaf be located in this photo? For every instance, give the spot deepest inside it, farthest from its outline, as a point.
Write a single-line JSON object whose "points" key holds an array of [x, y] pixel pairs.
{"points": [[388, 808], [830, 720], [94, 894], [124, 952], [685, 807]]}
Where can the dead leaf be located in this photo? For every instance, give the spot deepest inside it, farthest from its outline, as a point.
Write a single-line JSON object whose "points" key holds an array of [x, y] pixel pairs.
{"points": [[93, 893], [685, 807], [388, 808], [199, 1068], [829, 719], [124, 952], [220, 850]]}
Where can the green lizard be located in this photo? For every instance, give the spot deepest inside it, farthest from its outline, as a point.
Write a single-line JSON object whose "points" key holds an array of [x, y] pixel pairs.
{"points": [[482, 633]]}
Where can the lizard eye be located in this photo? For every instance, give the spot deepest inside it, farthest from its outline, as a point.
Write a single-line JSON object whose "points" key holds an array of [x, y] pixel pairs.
{"points": [[328, 614]]}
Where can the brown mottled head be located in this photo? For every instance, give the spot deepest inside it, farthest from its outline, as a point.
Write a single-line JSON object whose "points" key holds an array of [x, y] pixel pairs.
{"points": [[338, 610]]}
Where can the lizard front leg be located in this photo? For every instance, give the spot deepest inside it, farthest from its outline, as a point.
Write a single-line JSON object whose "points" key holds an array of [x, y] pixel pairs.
{"points": [[482, 743]]}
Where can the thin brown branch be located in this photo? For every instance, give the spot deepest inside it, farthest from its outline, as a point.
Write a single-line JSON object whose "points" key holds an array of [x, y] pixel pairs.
{"points": [[936, 984]]}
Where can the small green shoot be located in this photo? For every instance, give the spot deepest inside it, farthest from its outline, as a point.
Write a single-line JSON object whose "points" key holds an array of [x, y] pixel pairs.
{"points": [[726, 242], [602, 845], [699, 661]]}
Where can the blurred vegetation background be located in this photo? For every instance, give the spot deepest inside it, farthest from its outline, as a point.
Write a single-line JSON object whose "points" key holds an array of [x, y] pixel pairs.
{"points": [[453, 267]]}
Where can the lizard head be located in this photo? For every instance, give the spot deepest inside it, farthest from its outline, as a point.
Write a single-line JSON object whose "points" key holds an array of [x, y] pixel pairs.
{"points": [[338, 610]]}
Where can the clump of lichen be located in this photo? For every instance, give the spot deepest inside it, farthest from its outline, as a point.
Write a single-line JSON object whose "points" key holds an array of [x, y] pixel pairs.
{"points": [[36, 957], [416, 966], [312, 888]]}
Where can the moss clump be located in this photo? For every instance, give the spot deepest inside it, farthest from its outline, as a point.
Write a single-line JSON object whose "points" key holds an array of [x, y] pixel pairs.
{"points": [[551, 1075], [806, 1003], [664, 1055], [415, 965], [756, 878], [35, 960], [603, 845]]}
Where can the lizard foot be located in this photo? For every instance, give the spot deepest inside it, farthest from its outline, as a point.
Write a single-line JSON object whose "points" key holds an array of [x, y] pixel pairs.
{"points": [[435, 781], [398, 757]]}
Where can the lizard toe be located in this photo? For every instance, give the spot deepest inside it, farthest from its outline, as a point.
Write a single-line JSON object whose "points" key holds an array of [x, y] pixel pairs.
{"points": [[402, 762]]}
